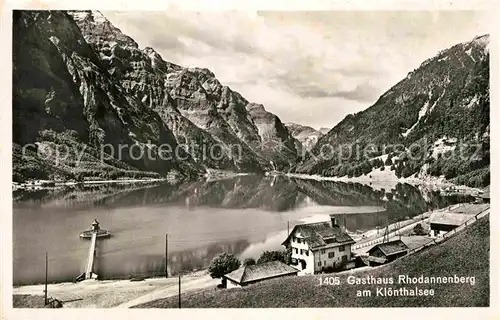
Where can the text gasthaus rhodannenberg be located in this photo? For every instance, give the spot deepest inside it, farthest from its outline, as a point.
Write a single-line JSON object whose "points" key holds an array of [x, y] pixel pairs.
{"points": [[412, 289]]}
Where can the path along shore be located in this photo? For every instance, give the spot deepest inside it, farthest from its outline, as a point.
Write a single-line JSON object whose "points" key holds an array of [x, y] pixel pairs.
{"points": [[119, 293]]}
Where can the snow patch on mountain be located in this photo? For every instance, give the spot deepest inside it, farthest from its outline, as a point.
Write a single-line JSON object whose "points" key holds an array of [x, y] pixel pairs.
{"points": [[469, 53], [435, 102], [472, 102], [421, 114]]}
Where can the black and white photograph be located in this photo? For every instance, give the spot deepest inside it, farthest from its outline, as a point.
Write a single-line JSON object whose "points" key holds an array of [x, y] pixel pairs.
{"points": [[177, 158]]}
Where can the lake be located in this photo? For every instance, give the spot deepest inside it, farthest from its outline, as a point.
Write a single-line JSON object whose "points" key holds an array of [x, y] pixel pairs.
{"points": [[244, 215]]}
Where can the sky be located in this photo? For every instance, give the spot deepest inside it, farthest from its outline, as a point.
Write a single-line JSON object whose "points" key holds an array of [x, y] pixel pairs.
{"points": [[311, 68]]}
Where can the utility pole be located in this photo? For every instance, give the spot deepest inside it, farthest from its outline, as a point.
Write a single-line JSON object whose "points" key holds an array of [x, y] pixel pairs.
{"points": [[166, 255], [179, 290], [46, 275]]}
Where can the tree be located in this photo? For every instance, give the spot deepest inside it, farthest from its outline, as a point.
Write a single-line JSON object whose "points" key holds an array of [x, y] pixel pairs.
{"points": [[223, 264], [388, 162], [419, 230], [79, 177], [268, 256], [249, 262]]}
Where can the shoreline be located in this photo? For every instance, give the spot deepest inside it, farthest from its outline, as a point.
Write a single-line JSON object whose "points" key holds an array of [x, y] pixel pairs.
{"points": [[433, 183], [376, 179], [189, 274], [49, 184]]}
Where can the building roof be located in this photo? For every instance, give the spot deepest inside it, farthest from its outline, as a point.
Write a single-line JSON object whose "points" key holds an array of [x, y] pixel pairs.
{"points": [[391, 247], [320, 234], [457, 215], [469, 208], [260, 271], [377, 259], [449, 218]]}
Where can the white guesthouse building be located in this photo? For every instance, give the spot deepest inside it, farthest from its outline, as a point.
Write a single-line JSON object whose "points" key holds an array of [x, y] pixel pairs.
{"points": [[318, 246]]}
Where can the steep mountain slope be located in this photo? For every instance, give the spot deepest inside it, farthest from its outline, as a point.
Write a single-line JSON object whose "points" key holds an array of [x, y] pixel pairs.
{"points": [[64, 98], [277, 143], [306, 135], [200, 111], [445, 100], [324, 130], [80, 84]]}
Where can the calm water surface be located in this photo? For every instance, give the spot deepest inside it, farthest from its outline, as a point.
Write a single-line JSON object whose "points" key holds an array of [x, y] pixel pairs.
{"points": [[245, 216]]}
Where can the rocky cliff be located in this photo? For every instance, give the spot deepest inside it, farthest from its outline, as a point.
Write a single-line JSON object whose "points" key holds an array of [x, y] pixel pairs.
{"points": [[66, 102], [306, 135], [201, 112], [79, 81]]}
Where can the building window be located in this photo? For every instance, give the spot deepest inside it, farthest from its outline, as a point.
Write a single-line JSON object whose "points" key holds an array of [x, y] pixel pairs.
{"points": [[324, 263], [307, 252], [331, 255], [342, 248], [319, 263], [344, 258], [296, 250], [323, 251]]}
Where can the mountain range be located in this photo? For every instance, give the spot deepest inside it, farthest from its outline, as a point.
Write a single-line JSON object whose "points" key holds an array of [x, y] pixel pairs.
{"points": [[88, 102], [79, 81]]}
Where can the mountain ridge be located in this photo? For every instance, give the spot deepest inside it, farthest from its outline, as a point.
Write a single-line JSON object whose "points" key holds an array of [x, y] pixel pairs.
{"points": [[445, 99], [102, 89]]}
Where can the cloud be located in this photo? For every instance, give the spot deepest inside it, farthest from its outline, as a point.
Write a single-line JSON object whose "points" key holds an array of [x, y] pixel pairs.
{"points": [[364, 92], [293, 61]]}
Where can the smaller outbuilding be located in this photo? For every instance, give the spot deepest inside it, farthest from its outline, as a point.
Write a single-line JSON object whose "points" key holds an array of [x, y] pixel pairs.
{"points": [[258, 272], [386, 252], [442, 222]]}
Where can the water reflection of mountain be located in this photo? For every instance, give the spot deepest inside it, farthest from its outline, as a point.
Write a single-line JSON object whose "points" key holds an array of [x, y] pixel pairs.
{"points": [[403, 202], [178, 261], [267, 193]]}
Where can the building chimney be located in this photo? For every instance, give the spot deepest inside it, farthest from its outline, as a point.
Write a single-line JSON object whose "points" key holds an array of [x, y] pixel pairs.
{"points": [[334, 221]]}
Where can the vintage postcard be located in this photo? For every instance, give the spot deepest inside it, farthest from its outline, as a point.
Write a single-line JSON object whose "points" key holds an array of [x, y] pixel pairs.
{"points": [[249, 158]]}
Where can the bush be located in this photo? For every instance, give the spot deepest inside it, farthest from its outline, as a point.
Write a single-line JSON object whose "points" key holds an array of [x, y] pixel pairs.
{"points": [[419, 230], [283, 256], [223, 264], [249, 262]]}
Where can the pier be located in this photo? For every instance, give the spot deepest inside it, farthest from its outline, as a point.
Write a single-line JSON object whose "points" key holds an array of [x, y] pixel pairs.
{"points": [[93, 234], [89, 274]]}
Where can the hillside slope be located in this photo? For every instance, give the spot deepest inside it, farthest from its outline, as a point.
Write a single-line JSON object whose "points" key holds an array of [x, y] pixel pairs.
{"points": [[63, 98], [466, 254], [444, 101], [79, 81]]}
